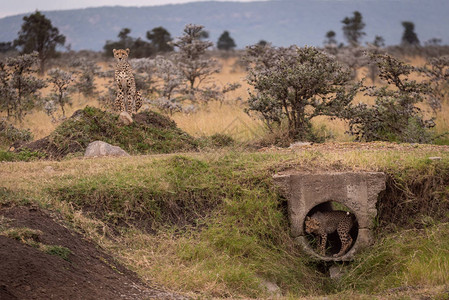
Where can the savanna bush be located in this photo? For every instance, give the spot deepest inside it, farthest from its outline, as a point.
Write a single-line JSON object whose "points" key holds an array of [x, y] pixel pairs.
{"points": [[297, 84], [395, 115]]}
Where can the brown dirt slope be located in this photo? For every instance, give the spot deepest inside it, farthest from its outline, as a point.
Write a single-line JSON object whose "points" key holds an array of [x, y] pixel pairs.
{"points": [[29, 273]]}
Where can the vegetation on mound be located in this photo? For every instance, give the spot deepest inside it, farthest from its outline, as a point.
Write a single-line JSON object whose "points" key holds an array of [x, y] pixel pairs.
{"points": [[213, 224], [411, 257], [24, 155], [150, 133], [416, 196], [31, 237]]}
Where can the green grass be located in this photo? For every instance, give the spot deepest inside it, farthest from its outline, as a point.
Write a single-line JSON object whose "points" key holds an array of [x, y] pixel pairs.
{"points": [[213, 224], [31, 237], [24, 155], [412, 257], [60, 251]]}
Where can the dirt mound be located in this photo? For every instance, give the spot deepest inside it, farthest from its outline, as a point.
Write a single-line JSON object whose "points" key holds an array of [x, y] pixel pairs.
{"points": [[151, 118], [150, 133], [84, 272]]}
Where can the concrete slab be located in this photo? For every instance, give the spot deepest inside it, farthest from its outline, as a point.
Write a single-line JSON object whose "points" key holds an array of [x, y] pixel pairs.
{"points": [[356, 190]]}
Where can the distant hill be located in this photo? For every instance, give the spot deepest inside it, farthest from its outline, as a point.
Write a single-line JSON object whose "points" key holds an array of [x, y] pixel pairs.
{"points": [[282, 22]]}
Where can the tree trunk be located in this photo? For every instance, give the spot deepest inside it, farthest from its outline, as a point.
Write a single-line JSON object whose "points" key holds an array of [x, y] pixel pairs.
{"points": [[42, 66], [62, 108]]}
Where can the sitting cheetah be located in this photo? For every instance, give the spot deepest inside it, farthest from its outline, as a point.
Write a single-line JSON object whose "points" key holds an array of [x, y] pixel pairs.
{"points": [[324, 223], [128, 99]]}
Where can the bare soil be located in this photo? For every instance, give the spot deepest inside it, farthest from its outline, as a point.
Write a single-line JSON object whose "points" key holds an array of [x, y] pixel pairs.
{"points": [[89, 273]]}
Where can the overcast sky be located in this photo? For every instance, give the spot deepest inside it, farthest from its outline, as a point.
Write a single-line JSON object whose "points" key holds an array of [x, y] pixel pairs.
{"points": [[15, 7]]}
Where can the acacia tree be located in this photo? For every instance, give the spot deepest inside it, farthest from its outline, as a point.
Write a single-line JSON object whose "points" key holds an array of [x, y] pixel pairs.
{"points": [[191, 58], [330, 40], [352, 28], [376, 48], [19, 88], [171, 78], [379, 41], [60, 81], [409, 37], [86, 71], [395, 115], [437, 72], [139, 48], [225, 42], [38, 34], [297, 84], [160, 39]]}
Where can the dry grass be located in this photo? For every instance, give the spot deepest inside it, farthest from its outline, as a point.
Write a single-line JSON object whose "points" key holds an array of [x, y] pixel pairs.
{"points": [[227, 117], [221, 118]]}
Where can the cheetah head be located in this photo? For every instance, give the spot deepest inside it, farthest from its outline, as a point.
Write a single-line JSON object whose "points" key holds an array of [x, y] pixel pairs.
{"points": [[120, 54], [312, 225]]}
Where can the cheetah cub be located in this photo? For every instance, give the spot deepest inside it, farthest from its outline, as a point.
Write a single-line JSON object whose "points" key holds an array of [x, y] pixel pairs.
{"points": [[324, 223], [128, 98]]}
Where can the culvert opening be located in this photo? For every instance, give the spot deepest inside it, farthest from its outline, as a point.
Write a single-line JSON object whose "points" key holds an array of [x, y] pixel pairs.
{"points": [[331, 215]]}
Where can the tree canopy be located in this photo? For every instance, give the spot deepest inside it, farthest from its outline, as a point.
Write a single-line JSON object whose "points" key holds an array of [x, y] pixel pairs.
{"points": [[160, 38], [38, 34], [191, 59], [409, 37], [296, 84], [139, 48], [352, 28], [330, 38], [225, 41]]}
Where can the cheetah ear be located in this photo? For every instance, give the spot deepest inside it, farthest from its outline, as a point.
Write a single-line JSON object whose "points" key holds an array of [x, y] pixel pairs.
{"points": [[114, 50], [127, 50], [307, 218]]}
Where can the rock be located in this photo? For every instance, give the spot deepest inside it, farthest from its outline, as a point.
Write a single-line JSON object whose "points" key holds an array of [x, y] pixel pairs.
{"points": [[335, 272], [145, 107], [99, 148], [271, 287], [125, 118], [299, 144], [49, 169]]}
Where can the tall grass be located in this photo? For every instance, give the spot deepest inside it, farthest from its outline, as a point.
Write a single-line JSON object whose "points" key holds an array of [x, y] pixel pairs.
{"points": [[407, 258]]}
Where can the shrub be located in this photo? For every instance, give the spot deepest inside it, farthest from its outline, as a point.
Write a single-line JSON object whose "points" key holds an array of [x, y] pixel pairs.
{"points": [[395, 115], [296, 84], [222, 140], [10, 134], [19, 88]]}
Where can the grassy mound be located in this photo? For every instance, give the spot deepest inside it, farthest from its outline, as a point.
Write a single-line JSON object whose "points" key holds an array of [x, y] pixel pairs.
{"points": [[150, 133]]}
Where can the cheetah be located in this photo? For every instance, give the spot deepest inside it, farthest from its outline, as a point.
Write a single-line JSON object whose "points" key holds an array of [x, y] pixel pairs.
{"points": [[324, 223], [128, 99]]}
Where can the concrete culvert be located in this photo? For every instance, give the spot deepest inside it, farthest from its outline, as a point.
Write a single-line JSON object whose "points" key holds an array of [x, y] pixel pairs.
{"points": [[309, 193]]}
